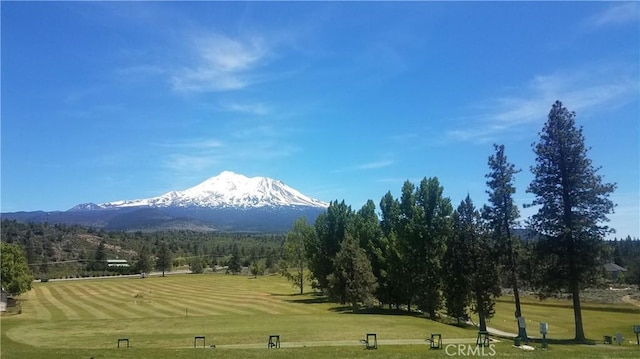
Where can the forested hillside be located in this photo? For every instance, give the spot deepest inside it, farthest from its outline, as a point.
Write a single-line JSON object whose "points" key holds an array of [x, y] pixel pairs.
{"points": [[69, 250]]}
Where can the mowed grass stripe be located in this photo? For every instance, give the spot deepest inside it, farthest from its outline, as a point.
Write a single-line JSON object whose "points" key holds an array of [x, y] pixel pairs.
{"points": [[150, 306], [231, 305], [37, 305], [59, 293], [67, 312], [273, 302], [125, 293], [197, 303], [208, 292], [190, 294], [87, 303], [116, 309], [127, 308]]}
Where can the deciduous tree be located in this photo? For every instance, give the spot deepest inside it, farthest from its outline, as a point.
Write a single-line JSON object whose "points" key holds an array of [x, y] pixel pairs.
{"points": [[433, 230], [331, 227], [294, 255], [14, 271]]}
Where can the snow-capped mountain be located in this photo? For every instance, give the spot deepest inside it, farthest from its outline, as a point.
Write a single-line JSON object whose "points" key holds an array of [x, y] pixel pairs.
{"points": [[227, 202], [228, 189]]}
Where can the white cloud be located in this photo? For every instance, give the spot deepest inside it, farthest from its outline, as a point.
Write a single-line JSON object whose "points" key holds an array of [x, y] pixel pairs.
{"points": [[196, 143], [374, 165], [190, 163], [221, 64], [580, 90], [617, 14], [259, 109], [366, 166]]}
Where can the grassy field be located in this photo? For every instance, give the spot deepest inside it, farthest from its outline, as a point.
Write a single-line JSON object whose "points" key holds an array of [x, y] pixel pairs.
{"points": [[161, 316]]}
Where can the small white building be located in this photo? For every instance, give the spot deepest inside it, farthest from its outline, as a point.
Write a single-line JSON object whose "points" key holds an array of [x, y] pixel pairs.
{"points": [[115, 263]]}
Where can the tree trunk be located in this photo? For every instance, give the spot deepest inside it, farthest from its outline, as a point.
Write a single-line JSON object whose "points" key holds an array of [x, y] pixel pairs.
{"points": [[522, 332], [163, 272], [482, 325], [577, 313], [301, 282]]}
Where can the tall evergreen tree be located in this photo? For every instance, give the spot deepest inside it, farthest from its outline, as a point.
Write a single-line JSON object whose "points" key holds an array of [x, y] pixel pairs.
{"points": [[100, 258], [352, 280], [573, 202], [143, 263], [234, 265], [163, 263], [502, 215]]}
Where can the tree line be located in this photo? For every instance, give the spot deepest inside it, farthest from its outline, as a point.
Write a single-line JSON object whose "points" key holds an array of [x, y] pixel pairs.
{"points": [[423, 254]]}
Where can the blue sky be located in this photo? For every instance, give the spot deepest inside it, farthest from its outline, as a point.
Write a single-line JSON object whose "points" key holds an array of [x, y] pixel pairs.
{"points": [[106, 101]]}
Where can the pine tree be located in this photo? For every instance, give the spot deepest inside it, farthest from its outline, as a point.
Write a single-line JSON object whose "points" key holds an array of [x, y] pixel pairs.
{"points": [[573, 202], [143, 263], [353, 280], [502, 215], [100, 258], [163, 263], [234, 266]]}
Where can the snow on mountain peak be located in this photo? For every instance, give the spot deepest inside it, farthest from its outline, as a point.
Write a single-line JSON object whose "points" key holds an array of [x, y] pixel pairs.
{"points": [[228, 189]]}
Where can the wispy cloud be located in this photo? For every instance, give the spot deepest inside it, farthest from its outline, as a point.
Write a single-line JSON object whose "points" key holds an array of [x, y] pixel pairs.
{"points": [[251, 145], [191, 163], [259, 108], [366, 166], [196, 143], [622, 13], [581, 89], [374, 165], [221, 64]]}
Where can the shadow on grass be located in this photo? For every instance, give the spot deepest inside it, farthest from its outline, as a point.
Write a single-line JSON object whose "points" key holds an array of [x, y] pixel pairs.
{"points": [[347, 309], [316, 298]]}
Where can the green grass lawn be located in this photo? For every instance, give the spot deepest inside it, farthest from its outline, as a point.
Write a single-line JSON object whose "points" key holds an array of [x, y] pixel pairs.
{"points": [[598, 319], [161, 316]]}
